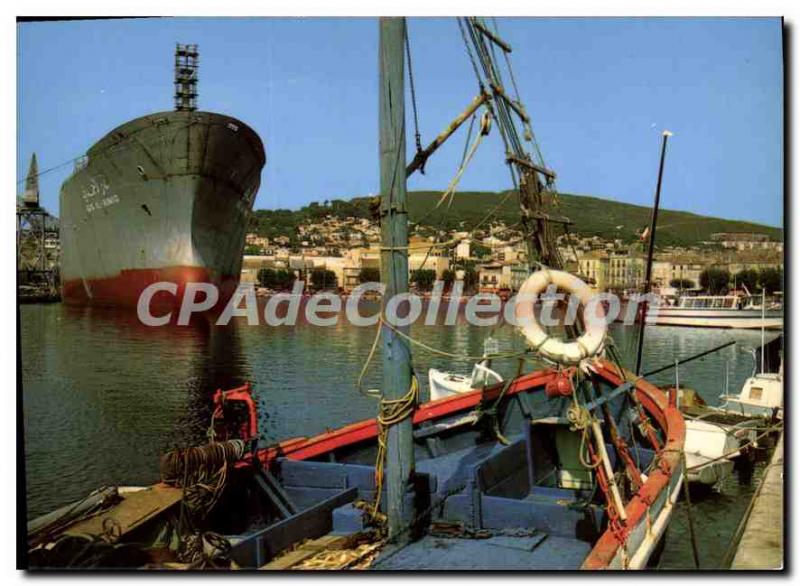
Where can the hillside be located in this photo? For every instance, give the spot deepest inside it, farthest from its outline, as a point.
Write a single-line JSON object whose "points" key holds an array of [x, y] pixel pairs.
{"points": [[590, 215]]}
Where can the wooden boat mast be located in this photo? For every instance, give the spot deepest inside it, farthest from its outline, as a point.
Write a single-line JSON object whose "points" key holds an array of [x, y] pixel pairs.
{"points": [[397, 370]]}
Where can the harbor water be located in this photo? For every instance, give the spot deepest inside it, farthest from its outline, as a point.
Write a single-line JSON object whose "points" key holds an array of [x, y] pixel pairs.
{"points": [[104, 396]]}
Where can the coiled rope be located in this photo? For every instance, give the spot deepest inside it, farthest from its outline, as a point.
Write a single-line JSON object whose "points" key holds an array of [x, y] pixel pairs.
{"points": [[392, 412], [201, 471], [580, 419]]}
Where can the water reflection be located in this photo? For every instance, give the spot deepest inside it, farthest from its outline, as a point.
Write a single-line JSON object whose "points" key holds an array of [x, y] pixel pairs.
{"points": [[104, 395]]}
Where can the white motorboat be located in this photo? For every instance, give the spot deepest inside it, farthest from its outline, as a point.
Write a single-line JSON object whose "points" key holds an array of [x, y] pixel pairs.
{"points": [[446, 384], [710, 449], [761, 396], [443, 384], [715, 436]]}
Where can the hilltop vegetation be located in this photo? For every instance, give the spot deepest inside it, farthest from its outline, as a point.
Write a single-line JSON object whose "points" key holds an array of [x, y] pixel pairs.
{"points": [[591, 216]]}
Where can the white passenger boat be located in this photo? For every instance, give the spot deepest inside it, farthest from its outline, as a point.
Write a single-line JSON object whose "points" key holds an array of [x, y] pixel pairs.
{"points": [[717, 311]]}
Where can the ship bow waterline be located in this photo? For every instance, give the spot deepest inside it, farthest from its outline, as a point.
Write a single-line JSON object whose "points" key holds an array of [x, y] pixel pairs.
{"points": [[165, 197]]}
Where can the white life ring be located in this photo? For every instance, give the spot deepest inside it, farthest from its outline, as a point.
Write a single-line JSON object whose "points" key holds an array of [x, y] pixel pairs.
{"points": [[586, 346]]}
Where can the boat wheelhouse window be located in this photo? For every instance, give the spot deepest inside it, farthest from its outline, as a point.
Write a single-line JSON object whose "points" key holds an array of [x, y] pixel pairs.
{"points": [[755, 393]]}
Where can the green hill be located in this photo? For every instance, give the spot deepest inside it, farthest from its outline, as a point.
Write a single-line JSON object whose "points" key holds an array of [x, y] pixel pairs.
{"points": [[590, 216]]}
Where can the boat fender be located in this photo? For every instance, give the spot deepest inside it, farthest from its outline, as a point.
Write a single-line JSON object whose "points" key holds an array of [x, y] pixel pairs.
{"points": [[587, 345], [560, 386]]}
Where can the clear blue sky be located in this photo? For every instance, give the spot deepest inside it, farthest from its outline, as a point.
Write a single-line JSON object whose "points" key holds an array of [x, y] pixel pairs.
{"points": [[599, 91]]}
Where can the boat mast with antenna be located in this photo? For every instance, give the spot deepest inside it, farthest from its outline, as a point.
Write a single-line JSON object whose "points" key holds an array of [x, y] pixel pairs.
{"points": [[650, 250]]}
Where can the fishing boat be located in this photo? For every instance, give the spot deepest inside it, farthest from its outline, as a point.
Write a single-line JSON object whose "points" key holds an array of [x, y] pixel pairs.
{"points": [[523, 503], [576, 465], [711, 448], [761, 395]]}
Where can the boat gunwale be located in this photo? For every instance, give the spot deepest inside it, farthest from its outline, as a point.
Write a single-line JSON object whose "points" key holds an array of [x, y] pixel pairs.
{"points": [[134, 126], [607, 547], [669, 458]]}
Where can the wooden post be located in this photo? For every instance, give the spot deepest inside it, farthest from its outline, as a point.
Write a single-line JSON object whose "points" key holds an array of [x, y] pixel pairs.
{"points": [[394, 269]]}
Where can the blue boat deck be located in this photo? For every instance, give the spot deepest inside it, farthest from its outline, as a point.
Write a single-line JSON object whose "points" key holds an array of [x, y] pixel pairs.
{"points": [[502, 552], [481, 504]]}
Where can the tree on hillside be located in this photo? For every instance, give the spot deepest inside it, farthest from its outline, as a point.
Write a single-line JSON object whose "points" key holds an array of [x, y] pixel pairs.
{"points": [[251, 250], [771, 280], [470, 279], [423, 279], [480, 251], [715, 280], [748, 278], [369, 275], [323, 278]]}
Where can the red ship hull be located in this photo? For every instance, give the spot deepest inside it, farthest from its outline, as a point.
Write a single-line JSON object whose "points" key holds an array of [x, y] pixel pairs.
{"points": [[125, 289]]}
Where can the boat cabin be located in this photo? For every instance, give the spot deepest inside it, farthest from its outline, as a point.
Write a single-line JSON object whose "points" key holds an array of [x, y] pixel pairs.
{"points": [[761, 396], [711, 302]]}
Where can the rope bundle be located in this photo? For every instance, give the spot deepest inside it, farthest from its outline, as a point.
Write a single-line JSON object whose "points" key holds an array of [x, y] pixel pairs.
{"points": [[392, 411], [201, 471], [188, 466]]}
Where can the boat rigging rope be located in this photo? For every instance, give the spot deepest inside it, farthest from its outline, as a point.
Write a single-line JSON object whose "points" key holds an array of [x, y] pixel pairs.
{"points": [[689, 516], [469, 136], [580, 419], [752, 442], [486, 125], [95, 154], [463, 357], [481, 411], [529, 135], [392, 412], [428, 347], [469, 53], [417, 135]]}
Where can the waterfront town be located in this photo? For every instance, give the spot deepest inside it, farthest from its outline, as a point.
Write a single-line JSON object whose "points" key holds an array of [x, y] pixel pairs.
{"points": [[341, 253]]}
